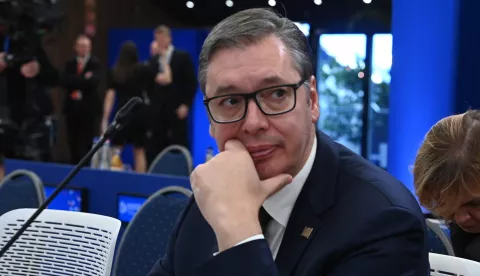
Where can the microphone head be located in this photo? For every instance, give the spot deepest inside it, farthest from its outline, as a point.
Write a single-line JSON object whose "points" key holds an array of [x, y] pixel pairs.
{"points": [[126, 112]]}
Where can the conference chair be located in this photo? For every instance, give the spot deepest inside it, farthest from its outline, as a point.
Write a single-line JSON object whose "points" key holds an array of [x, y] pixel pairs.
{"points": [[59, 243], [438, 240], [173, 160], [21, 189], [146, 237], [444, 265]]}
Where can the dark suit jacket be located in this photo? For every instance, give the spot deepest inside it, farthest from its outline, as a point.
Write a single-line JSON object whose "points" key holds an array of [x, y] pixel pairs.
{"points": [[90, 106], [464, 244], [365, 223], [183, 86]]}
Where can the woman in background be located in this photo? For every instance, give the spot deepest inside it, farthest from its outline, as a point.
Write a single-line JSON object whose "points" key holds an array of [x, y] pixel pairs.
{"points": [[127, 79], [447, 179]]}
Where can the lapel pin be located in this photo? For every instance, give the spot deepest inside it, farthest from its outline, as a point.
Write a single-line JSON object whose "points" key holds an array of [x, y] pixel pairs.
{"points": [[307, 231]]}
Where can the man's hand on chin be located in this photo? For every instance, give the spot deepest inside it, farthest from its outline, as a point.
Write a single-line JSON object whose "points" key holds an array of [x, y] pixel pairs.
{"points": [[229, 194]]}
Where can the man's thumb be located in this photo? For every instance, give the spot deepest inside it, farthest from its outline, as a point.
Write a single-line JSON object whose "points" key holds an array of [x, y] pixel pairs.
{"points": [[276, 183]]}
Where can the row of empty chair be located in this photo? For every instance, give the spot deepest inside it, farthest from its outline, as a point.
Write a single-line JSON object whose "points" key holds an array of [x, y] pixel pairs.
{"points": [[71, 243], [74, 243]]}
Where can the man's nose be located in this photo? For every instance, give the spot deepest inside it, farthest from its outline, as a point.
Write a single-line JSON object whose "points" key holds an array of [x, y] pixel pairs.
{"points": [[254, 120]]}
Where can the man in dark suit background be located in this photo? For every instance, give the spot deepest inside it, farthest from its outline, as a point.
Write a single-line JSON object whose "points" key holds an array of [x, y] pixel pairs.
{"points": [[172, 99], [281, 199], [82, 104]]}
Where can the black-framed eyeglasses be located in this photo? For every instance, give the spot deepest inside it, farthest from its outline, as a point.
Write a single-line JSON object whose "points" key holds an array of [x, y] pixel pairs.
{"points": [[274, 100]]}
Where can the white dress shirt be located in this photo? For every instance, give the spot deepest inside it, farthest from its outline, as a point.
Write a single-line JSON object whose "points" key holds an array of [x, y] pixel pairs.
{"points": [[166, 58], [280, 205], [83, 60]]}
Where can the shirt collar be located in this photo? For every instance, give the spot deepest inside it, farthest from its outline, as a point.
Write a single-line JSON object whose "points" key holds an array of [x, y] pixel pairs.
{"points": [[168, 53], [84, 59], [280, 204]]}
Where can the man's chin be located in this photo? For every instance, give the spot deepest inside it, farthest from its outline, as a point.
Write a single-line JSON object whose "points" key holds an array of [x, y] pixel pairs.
{"points": [[266, 170]]}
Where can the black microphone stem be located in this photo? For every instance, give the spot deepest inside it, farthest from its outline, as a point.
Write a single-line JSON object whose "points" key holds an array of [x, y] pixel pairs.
{"points": [[59, 188], [122, 118]]}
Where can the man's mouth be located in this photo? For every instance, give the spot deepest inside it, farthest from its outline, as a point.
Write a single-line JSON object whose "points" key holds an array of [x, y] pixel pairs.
{"points": [[261, 152]]}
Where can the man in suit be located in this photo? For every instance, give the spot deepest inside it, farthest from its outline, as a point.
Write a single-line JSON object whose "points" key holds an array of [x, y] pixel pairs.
{"points": [[154, 99], [173, 98], [82, 104], [281, 198]]}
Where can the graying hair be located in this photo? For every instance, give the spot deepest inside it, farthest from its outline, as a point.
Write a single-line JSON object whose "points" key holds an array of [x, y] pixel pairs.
{"points": [[252, 26]]}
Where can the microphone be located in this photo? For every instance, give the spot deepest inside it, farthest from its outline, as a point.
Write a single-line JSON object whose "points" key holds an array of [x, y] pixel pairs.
{"points": [[122, 118]]}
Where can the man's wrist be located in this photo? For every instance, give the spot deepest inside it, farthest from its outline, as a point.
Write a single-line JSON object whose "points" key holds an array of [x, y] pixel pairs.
{"points": [[230, 236]]}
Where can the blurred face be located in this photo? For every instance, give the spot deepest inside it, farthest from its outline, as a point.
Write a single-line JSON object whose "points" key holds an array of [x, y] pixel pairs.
{"points": [[280, 143], [83, 46], [163, 40], [154, 48], [467, 216]]}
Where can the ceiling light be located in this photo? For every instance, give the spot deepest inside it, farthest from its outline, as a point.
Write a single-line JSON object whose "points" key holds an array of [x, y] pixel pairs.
{"points": [[229, 3], [190, 4], [317, 2], [272, 3], [367, 1]]}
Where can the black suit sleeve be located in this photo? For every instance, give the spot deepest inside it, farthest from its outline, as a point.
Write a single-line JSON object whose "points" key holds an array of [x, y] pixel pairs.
{"points": [[398, 249], [93, 82], [252, 258], [186, 80]]}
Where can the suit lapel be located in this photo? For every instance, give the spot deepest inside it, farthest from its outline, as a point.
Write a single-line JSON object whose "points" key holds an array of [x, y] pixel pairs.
{"points": [[317, 196], [300, 231]]}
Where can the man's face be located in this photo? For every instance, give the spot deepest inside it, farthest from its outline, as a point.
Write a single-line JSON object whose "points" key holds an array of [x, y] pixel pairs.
{"points": [[467, 216], [163, 40], [83, 46], [278, 144]]}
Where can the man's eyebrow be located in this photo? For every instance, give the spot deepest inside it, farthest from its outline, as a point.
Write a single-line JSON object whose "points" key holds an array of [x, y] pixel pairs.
{"points": [[227, 89], [265, 82]]}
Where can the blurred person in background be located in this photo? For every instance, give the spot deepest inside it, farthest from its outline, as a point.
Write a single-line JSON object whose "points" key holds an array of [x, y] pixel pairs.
{"points": [[447, 179], [157, 133], [173, 99], [127, 79], [82, 104]]}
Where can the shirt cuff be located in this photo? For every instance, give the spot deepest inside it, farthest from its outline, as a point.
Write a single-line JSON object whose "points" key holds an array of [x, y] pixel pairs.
{"points": [[252, 238]]}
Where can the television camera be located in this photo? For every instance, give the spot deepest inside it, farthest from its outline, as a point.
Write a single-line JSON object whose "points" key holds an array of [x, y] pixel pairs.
{"points": [[23, 24]]}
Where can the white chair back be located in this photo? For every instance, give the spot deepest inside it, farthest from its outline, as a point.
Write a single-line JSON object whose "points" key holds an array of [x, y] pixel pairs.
{"points": [[444, 265], [58, 243]]}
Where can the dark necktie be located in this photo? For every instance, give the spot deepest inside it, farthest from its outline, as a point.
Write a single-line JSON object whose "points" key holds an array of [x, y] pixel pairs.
{"points": [[264, 219]]}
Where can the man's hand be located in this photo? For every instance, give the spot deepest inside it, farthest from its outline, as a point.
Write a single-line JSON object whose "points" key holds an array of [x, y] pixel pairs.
{"points": [[3, 64], [30, 69], [88, 75], [162, 79], [182, 111], [229, 193]]}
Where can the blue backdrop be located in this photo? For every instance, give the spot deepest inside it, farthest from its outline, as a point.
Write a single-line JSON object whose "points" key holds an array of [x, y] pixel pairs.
{"points": [[424, 69], [189, 40]]}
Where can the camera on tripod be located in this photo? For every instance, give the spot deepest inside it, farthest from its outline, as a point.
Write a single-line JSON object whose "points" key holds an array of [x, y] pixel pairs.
{"points": [[23, 24]]}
